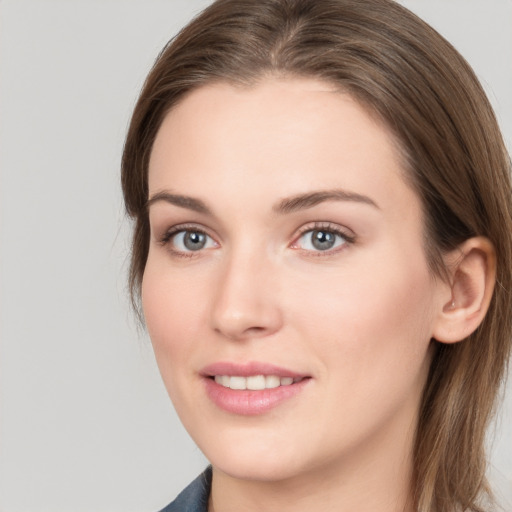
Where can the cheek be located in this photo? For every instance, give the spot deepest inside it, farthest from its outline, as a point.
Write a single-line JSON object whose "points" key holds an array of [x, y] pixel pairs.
{"points": [[173, 316], [370, 323], [371, 334]]}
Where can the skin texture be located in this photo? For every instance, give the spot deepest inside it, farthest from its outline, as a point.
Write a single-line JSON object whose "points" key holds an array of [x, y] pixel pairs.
{"points": [[357, 319]]}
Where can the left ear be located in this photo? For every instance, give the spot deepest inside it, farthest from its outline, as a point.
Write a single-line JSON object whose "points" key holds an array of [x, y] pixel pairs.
{"points": [[466, 298]]}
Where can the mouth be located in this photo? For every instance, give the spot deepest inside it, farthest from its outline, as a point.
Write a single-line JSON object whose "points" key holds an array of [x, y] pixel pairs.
{"points": [[253, 388]]}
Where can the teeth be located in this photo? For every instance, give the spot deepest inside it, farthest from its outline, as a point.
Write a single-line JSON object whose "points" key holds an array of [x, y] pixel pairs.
{"points": [[254, 382], [238, 383], [271, 381], [223, 380]]}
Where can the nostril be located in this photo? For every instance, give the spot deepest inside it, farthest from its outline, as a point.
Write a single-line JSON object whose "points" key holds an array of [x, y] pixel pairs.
{"points": [[255, 330]]}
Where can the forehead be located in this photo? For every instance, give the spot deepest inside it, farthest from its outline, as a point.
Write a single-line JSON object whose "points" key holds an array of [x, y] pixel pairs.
{"points": [[280, 137]]}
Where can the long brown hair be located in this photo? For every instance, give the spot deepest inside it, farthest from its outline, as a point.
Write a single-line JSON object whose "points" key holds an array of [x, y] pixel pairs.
{"points": [[415, 81]]}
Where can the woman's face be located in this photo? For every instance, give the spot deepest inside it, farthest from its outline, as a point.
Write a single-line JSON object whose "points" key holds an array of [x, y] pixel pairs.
{"points": [[286, 256]]}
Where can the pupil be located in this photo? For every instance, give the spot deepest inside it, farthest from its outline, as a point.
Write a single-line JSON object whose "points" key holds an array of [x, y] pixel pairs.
{"points": [[194, 241], [323, 240]]}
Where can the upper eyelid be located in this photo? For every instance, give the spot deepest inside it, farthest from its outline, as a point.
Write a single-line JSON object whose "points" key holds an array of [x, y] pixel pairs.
{"points": [[187, 226], [168, 233], [327, 226]]}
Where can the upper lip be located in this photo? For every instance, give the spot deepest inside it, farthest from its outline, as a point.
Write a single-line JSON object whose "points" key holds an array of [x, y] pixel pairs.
{"points": [[248, 369]]}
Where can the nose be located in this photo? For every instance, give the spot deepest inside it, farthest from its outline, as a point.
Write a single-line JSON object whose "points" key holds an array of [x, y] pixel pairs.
{"points": [[246, 300]]}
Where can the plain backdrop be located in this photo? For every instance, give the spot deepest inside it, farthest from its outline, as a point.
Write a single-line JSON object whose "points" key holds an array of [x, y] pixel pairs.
{"points": [[85, 423]]}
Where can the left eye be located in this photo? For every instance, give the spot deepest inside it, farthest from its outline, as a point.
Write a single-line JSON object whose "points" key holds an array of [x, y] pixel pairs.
{"points": [[320, 240], [190, 241]]}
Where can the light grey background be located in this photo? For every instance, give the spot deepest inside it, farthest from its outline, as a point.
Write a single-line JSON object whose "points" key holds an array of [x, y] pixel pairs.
{"points": [[85, 422]]}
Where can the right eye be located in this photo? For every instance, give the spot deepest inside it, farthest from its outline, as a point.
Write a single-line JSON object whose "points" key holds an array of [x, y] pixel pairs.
{"points": [[189, 240]]}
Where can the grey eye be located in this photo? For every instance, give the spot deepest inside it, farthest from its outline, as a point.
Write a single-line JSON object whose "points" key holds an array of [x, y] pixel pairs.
{"points": [[194, 241], [320, 240], [323, 240], [187, 241]]}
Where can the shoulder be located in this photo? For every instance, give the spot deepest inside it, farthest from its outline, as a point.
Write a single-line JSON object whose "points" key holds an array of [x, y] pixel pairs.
{"points": [[194, 498]]}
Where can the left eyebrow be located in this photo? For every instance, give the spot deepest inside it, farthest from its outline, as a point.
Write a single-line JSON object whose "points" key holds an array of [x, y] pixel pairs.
{"points": [[310, 199]]}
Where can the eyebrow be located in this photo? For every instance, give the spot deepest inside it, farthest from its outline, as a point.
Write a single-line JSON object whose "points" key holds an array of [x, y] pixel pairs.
{"points": [[287, 205], [310, 199], [190, 203]]}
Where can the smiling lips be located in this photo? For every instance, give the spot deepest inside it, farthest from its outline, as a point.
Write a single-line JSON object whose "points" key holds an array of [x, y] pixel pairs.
{"points": [[251, 389]]}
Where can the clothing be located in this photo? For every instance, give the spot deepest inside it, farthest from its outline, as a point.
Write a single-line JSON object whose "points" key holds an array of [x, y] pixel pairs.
{"points": [[193, 498]]}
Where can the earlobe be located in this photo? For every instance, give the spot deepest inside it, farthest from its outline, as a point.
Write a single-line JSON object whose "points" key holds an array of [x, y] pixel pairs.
{"points": [[466, 298]]}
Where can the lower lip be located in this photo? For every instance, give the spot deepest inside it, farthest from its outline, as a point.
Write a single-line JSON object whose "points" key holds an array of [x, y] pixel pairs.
{"points": [[251, 402]]}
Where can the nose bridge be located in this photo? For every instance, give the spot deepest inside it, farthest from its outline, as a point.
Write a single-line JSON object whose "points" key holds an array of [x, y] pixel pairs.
{"points": [[245, 303]]}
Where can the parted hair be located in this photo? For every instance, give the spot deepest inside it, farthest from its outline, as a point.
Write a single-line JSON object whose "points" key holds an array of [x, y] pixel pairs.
{"points": [[408, 75]]}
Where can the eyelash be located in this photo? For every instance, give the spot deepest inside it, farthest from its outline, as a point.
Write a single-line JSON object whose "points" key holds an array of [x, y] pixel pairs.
{"points": [[182, 228], [326, 227]]}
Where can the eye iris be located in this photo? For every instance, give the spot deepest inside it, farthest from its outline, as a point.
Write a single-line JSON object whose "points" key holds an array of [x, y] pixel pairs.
{"points": [[323, 240], [194, 241]]}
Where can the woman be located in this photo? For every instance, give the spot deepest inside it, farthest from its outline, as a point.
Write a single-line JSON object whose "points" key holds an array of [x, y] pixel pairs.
{"points": [[322, 246]]}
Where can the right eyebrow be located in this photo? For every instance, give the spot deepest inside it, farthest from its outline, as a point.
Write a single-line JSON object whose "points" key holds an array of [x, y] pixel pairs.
{"points": [[190, 203]]}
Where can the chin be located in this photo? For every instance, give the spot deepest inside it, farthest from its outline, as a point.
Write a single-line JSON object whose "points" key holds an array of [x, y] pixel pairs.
{"points": [[253, 457], [255, 468]]}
